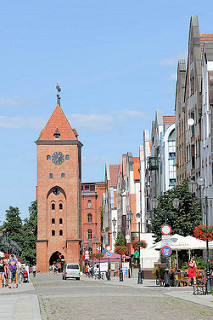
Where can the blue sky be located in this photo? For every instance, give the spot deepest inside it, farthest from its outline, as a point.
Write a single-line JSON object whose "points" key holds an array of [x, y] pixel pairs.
{"points": [[116, 64]]}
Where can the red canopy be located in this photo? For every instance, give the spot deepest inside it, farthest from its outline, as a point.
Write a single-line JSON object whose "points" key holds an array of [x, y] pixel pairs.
{"points": [[115, 257]]}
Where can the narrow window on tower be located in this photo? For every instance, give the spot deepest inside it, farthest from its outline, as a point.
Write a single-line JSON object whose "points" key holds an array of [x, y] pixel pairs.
{"points": [[48, 157], [60, 206], [53, 233], [89, 217], [63, 175], [53, 206], [51, 175], [53, 221], [89, 203], [89, 234], [60, 221], [67, 157], [60, 232]]}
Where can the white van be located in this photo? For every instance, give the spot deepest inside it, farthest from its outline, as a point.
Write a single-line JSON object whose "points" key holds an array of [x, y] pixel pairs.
{"points": [[71, 270]]}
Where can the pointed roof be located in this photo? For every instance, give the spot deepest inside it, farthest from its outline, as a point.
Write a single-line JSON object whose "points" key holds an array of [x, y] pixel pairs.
{"points": [[136, 167], [113, 169], [168, 120], [58, 127]]}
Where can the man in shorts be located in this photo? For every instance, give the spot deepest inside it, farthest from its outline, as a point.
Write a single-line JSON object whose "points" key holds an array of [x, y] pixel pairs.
{"points": [[12, 270]]}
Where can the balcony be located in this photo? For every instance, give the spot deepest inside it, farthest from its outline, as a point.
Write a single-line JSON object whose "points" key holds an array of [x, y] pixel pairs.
{"points": [[153, 163]]}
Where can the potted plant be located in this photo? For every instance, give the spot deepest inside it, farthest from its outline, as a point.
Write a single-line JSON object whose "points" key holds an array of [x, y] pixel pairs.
{"points": [[121, 249], [139, 244], [202, 232]]}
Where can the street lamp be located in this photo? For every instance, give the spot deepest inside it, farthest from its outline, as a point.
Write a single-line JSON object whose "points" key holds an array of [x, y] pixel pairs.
{"points": [[192, 186], [176, 203], [140, 281], [129, 218]]}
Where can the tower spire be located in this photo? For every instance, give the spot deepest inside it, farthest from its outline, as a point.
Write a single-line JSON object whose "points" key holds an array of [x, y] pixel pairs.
{"points": [[58, 88]]}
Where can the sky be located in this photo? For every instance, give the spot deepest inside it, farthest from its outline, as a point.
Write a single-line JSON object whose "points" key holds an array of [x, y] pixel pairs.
{"points": [[116, 63]]}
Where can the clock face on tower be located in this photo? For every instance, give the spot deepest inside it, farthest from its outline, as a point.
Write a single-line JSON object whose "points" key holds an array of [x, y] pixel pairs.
{"points": [[58, 158]]}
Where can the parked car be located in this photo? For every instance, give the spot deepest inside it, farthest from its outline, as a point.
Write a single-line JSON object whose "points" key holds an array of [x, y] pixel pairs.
{"points": [[71, 270]]}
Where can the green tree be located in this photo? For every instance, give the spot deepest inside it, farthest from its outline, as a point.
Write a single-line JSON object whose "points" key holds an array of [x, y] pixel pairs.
{"points": [[120, 240], [13, 224], [29, 235], [24, 235], [182, 220]]}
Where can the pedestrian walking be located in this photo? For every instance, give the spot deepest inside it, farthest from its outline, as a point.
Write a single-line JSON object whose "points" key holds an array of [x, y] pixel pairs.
{"points": [[2, 272], [34, 270], [18, 275], [192, 272], [22, 269], [6, 272], [12, 270]]}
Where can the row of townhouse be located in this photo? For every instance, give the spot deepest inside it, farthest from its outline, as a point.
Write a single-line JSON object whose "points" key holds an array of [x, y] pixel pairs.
{"points": [[193, 114], [180, 146]]}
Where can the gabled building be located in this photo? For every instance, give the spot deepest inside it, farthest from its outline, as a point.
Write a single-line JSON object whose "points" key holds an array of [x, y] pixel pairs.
{"points": [[162, 161], [188, 106], [91, 207], [207, 127], [110, 203]]}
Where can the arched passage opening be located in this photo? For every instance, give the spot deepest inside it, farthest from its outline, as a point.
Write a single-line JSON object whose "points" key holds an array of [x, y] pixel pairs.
{"points": [[55, 258]]}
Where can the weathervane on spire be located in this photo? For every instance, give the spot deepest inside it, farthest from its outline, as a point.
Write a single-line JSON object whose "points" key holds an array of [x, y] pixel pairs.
{"points": [[58, 88]]}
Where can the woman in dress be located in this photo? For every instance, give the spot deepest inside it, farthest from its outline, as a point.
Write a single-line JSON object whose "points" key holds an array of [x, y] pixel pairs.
{"points": [[192, 272], [2, 270]]}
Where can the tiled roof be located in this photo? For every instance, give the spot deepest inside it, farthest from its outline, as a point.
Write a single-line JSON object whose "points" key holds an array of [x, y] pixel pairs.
{"points": [[136, 166], [168, 120], [207, 37], [113, 169], [58, 125]]}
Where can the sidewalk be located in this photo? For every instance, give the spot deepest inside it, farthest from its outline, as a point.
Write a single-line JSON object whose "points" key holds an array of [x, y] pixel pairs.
{"points": [[183, 293], [19, 303]]}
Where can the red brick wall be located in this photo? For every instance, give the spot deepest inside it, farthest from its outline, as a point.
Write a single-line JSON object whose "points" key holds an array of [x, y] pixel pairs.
{"points": [[70, 199], [96, 206]]}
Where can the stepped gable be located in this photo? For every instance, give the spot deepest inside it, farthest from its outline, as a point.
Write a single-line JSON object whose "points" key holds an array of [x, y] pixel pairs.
{"points": [[58, 127]]}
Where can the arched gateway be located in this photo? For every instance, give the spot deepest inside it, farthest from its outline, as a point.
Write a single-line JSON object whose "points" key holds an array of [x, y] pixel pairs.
{"points": [[58, 192]]}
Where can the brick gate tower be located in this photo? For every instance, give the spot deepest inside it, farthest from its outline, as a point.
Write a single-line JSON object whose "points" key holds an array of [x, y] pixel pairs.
{"points": [[58, 192]]}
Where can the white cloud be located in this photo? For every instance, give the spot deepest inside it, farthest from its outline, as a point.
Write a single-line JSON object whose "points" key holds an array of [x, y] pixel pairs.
{"points": [[11, 102], [173, 76], [93, 121], [172, 61], [22, 122], [126, 114]]}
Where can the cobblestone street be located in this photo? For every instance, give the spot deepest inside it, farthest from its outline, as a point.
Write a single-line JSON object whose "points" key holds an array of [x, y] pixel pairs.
{"points": [[94, 299]]}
